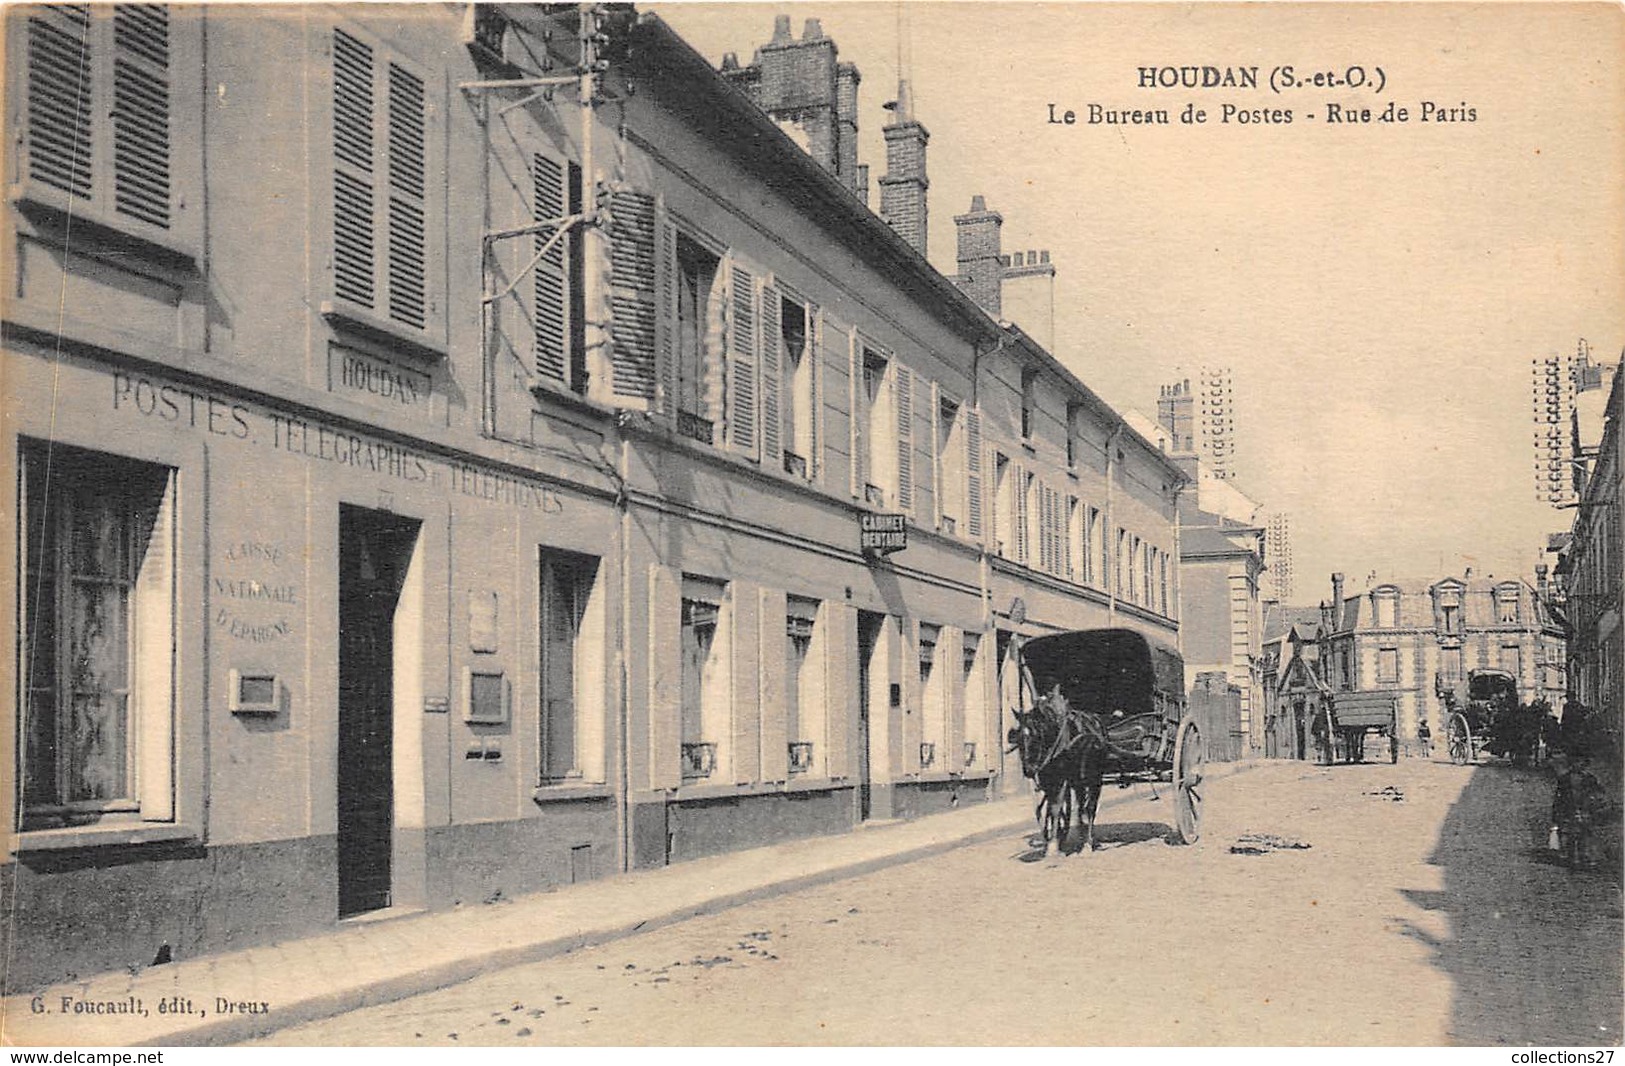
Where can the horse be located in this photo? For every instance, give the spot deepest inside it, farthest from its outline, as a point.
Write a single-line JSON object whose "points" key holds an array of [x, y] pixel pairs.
{"points": [[1063, 751]]}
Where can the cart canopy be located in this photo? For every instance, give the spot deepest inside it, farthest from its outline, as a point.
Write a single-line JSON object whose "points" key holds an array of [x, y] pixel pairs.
{"points": [[1106, 670]]}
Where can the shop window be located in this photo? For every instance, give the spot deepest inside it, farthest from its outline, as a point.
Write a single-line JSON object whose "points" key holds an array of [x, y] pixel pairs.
{"points": [[973, 706], [705, 697], [1029, 402], [951, 487], [1385, 607], [1004, 507], [567, 689], [98, 637], [877, 427], [1506, 605], [1450, 665], [804, 686], [797, 368], [698, 346], [934, 755]]}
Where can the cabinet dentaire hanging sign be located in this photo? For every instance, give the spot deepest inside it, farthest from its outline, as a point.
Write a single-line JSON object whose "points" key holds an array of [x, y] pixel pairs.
{"points": [[882, 534]]}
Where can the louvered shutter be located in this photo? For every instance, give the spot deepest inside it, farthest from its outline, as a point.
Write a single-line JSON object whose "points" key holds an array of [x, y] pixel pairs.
{"points": [[632, 298], [61, 107], [858, 396], [840, 685], [935, 429], [815, 457], [666, 312], [773, 692], [665, 666], [744, 674], [1073, 516], [141, 113], [550, 314], [354, 258], [381, 232], [408, 236], [1020, 473], [153, 616], [904, 385], [742, 362], [772, 362], [974, 504]]}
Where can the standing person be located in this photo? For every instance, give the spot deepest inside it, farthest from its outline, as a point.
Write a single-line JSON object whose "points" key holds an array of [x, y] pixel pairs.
{"points": [[1424, 738]]}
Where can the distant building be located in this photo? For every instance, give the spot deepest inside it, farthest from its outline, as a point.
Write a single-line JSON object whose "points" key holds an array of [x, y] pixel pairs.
{"points": [[1590, 570], [1411, 638], [1018, 287], [1294, 684], [1220, 563], [1203, 420], [1278, 552]]}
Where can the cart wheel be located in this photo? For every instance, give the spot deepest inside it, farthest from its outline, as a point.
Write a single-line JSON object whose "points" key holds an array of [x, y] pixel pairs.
{"points": [[1190, 755], [1461, 740], [1065, 815]]}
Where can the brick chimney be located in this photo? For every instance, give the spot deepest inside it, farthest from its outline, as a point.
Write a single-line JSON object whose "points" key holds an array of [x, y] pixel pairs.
{"points": [[981, 273], [1028, 295], [903, 187], [803, 86]]}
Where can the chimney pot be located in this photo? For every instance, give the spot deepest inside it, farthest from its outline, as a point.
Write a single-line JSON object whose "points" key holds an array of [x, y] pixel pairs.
{"points": [[812, 31], [730, 61], [781, 29], [978, 203], [1044, 257]]}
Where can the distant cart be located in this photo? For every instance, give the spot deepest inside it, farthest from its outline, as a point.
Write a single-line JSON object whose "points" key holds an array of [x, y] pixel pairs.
{"points": [[1473, 709], [1345, 720]]}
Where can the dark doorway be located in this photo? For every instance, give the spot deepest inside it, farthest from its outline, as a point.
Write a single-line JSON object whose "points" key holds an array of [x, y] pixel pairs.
{"points": [[374, 549], [868, 638]]}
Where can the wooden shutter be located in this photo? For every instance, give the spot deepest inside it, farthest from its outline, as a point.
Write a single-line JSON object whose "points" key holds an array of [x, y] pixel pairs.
{"points": [[815, 352], [141, 113], [550, 314], [408, 235], [773, 691], [154, 626], [632, 298], [354, 259], [61, 107], [772, 378], [903, 382], [974, 504], [665, 677], [840, 685], [935, 429], [1020, 516], [1074, 515], [744, 673], [666, 312], [858, 396], [742, 336]]}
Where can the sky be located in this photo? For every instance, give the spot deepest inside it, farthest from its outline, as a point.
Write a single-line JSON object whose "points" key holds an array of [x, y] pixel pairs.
{"points": [[1378, 290]]}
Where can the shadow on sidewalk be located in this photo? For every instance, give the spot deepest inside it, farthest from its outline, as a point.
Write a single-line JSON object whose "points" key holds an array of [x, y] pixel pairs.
{"points": [[1533, 949]]}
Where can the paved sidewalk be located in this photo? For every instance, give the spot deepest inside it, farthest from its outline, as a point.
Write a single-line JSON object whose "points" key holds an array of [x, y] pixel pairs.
{"points": [[238, 995]]}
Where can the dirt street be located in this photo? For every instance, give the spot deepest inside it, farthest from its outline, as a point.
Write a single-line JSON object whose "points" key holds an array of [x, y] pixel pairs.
{"points": [[1373, 904]]}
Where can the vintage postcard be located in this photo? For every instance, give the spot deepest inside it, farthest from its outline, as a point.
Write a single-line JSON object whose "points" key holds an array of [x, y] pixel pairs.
{"points": [[875, 524]]}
